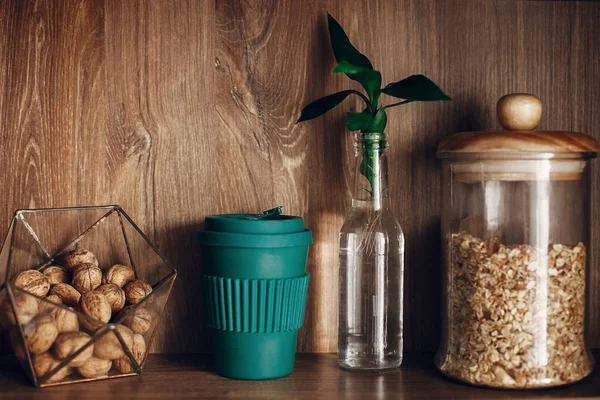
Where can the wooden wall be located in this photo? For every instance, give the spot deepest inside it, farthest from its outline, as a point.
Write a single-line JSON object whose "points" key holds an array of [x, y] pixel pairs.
{"points": [[184, 108]]}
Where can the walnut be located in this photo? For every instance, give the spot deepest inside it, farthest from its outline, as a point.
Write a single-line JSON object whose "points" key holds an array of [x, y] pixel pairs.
{"points": [[39, 333], [33, 281], [94, 368], [138, 350], [108, 347], [119, 275], [94, 305], [136, 291], [68, 343], [75, 258], [67, 293], [45, 363], [56, 274], [26, 309], [65, 320], [139, 321], [114, 295], [86, 278], [50, 304]]}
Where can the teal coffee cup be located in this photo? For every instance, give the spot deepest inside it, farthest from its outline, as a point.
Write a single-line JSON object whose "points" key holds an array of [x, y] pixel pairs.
{"points": [[255, 286]]}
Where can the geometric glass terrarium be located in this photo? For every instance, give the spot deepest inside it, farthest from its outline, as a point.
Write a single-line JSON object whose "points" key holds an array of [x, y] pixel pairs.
{"points": [[57, 318]]}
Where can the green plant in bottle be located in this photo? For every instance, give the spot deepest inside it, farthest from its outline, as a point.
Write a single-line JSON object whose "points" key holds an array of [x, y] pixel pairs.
{"points": [[373, 119]]}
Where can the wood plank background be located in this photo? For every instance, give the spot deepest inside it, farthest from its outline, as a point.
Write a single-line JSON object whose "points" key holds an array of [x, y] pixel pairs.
{"points": [[180, 109]]}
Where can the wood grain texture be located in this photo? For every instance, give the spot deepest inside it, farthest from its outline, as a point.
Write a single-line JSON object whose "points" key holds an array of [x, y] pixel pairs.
{"points": [[180, 109], [315, 376]]}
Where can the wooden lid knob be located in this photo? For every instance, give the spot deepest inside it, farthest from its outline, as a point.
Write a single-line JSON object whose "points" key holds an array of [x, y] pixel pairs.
{"points": [[519, 111]]}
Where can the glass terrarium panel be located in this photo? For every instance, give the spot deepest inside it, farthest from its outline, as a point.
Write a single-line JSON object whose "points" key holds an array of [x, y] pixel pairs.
{"points": [[19, 313], [4, 256], [57, 228], [25, 250], [143, 319], [105, 239], [149, 265], [5, 346]]}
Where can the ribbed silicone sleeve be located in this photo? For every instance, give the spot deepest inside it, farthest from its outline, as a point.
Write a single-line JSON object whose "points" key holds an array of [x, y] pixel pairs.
{"points": [[255, 305]]}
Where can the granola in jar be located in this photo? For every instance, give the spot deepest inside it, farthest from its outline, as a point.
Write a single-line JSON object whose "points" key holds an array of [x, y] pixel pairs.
{"points": [[515, 314]]}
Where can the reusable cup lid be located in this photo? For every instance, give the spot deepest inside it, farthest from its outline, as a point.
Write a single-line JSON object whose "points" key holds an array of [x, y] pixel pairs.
{"points": [[269, 229]]}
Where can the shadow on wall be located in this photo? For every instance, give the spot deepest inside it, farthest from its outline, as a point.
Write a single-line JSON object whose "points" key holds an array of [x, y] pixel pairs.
{"points": [[423, 269], [328, 196], [183, 328]]}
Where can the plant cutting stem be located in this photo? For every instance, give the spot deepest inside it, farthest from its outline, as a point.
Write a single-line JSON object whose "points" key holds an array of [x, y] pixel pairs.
{"points": [[366, 99], [372, 146], [376, 183]]}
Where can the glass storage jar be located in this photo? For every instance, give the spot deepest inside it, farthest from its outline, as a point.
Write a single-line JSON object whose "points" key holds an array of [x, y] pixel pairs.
{"points": [[515, 226]]}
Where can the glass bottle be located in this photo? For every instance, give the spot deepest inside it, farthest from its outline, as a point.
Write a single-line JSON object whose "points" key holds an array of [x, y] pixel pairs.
{"points": [[371, 267]]}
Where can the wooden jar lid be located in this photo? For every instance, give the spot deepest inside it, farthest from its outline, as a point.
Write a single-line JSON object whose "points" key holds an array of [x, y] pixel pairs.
{"points": [[519, 114]]}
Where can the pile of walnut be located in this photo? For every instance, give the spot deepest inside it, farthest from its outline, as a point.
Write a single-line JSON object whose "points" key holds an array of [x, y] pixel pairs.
{"points": [[52, 333], [515, 314]]}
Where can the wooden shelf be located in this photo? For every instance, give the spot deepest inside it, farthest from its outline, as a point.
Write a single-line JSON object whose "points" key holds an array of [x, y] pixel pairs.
{"points": [[315, 376]]}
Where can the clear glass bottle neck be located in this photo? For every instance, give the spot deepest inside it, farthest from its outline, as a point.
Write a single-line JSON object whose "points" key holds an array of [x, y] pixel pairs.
{"points": [[371, 171]]}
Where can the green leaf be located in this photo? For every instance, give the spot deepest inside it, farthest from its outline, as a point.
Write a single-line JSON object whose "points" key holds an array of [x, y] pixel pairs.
{"points": [[358, 121], [342, 48], [379, 122], [348, 68], [322, 105], [415, 88], [370, 79]]}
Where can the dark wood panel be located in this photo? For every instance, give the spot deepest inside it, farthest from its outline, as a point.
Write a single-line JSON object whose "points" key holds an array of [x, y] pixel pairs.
{"points": [[584, 97], [159, 68], [316, 376], [180, 67], [181, 109]]}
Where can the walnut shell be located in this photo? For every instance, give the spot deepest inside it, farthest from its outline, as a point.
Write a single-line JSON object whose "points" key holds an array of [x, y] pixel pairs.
{"points": [[33, 281], [67, 293], [136, 291], [65, 320], [119, 275], [139, 321], [94, 367], [68, 343], [114, 295], [138, 350], [86, 278], [108, 347], [75, 258], [56, 274], [49, 305], [39, 333], [45, 363], [26, 308], [94, 305]]}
